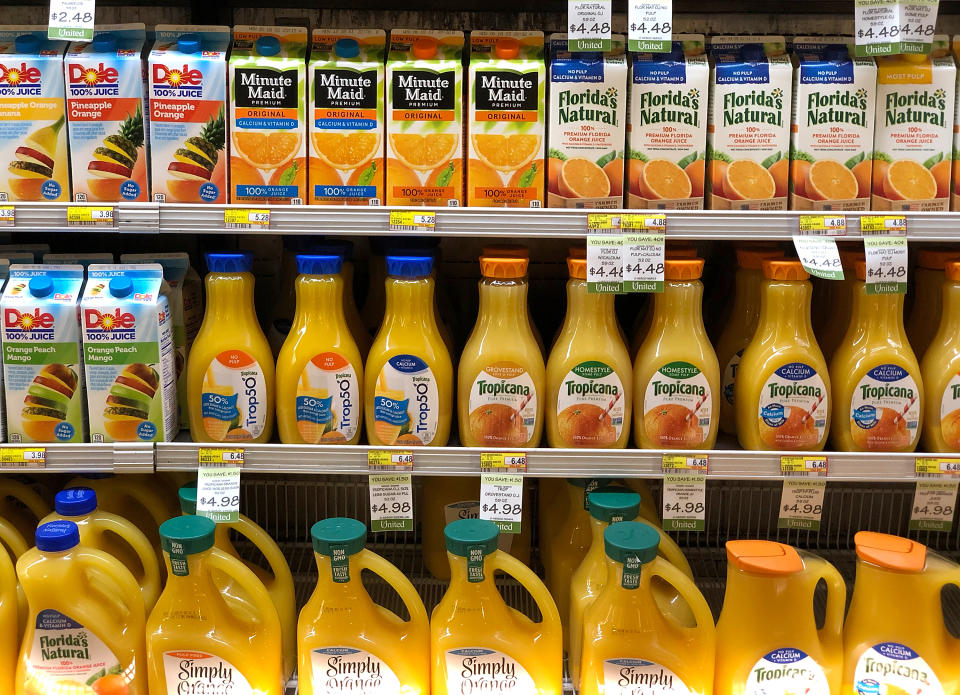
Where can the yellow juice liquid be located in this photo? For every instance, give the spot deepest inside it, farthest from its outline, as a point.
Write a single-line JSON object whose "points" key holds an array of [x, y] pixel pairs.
{"points": [[9, 621], [940, 369], [927, 297]]}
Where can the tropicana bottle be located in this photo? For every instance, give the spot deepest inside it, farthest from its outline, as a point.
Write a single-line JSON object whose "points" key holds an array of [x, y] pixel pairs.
{"points": [[516, 251], [940, 369], [928, 277]]}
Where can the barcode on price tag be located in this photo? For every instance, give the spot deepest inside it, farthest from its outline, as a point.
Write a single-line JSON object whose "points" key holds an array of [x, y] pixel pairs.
{"points": [[823, 225], [803, 465], [589, 25], [87, 216], [234, 218], [684, 501], [8, 216], [501, 500], [391, 502], [649, 25], [503, 461], [934, 505], [412, 221], [892, 225], [801, 504], [71, 20], [672, 463], [389, 460], [18, 457], [819, 256], [889, 27], [937, 467], [218, 487], [886, 258]]}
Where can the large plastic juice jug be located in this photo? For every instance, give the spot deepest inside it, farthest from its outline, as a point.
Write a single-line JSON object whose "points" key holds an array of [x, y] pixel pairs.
{"points": [[782, 394], [928, 277], [589, 374], [230, 371], [767, 637], [21, 509], [408, 380], [940, 369], [895, 640], [501, 372], [877, 389], [347, 642], [478, 642], [9, 621], [194, 639], [676, 377], [319, 368], [85, 626], [629, 644]]}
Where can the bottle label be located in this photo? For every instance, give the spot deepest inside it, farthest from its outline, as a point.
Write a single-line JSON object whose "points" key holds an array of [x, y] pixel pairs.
{"points": [[470, 509], [950, 413], [199, 672], [503, 405], [64, 651], [347, 671], [234, 397], [890, 667], [730, 375], [793, 408], [478, 670], [640, 677], [590, 406], [677, 406], [327, 398], [885, 409], [406, 402], [785, 671]]}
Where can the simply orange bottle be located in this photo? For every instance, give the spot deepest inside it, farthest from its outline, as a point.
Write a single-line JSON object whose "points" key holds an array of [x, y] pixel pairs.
{"points": [[927, 294], [940, 369], [9, 621]]}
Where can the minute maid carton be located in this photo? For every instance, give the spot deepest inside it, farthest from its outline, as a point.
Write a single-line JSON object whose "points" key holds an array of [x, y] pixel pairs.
{"points": [[42, 364], [128, 354]]}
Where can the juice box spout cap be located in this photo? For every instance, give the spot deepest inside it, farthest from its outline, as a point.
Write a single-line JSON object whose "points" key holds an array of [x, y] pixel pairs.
{"points": [[27, 43], [267, 46], [346, 48], [189, 43], [104, 43], [507, 48], [425, 48], [751, 53], [121, 287], [40, 286]]}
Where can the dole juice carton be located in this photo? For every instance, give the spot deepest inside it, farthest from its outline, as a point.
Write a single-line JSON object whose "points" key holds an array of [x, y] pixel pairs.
{"points": [[588, 126], [107, 115], [345, 76], [667, 126], [268, 125], [831, 139], [187, 71], [42, 363], [33, 141], [507, 124], [748, 136], [424, 118]]}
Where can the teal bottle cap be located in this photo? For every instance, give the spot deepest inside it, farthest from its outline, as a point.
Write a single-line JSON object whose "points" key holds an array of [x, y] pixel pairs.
{"points": [[349, 535], [467, 534], [187, 535], [630, 540], [611, 504], [188, 498]]}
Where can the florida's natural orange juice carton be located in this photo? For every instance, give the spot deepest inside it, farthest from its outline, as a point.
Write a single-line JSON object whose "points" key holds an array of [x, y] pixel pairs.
{"points": [[667, 126], [913, 140], [955, 169], [588, 126], [267, 122], [748, 136], [33, 140], [507, 119], [424, 86], [346, 117], [187, 71]]}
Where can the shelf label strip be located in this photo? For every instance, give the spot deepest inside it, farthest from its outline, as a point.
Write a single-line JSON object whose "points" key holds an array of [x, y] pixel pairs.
{"points": [[8, 216], [241, 218], [389, 460], [412, 221], [798, 466], [21, 457], [90, 216], [823, 225]]}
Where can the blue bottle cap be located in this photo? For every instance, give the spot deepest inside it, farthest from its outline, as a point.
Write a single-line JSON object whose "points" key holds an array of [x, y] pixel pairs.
{"points": [[40, 286], [120, 287], [104, 43], [346, 48], [27, 43], [56, 536], [319, 264], [189, 43], [267, 46], [409, 266], [241, 262], [75, 501]]}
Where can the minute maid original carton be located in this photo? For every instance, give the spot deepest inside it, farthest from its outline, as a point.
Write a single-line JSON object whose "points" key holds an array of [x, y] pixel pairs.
{"points": [[128, 354], [42, 365]]}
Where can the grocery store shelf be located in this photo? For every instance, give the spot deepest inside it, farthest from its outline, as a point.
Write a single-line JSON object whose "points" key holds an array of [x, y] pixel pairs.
{"points": [[119, 457]]}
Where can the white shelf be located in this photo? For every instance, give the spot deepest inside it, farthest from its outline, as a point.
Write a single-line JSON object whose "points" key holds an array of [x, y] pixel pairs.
{"points": [[119, 457]]}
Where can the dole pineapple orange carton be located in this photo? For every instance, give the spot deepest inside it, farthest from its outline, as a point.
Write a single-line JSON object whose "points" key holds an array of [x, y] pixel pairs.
{"points": [[33, 141], [424, 85], [346, 117], [667, 126], [506, 121], [187, 71], [268, 125], [748, 136], [913, 139], [588, 126], [107, 116]]}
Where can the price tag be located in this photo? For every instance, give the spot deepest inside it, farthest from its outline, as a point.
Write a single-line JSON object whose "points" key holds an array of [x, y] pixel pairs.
{"points": [[823, 225], [803, 465], [927, 467], [888, 27], [604, 254], [412, 221], [391, 502], [801, 504], [87, 216], [234, 218], [588, 25], [501, 500], [934, 504], [17, 457], [501, 461], [8, 216], [71, 20], [886, 264], [894, 225], [684, 501], [208, 455], [218, 484], [389, 460], [673, 463], [819, 256], [649, 27]]}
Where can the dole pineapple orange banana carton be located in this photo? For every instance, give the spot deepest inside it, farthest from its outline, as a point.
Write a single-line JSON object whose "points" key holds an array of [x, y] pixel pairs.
{"points": [[424, 85], [506, 121], [268, 125], [588, 126], [748, 136], [346, 117], [667, 126], [107, 115], [33, 140], [187, 71]]}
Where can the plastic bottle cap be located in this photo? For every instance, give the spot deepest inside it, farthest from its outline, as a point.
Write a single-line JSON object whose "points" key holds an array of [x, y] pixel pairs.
{"points": [[679, 250], [577, 268], [120, 287], [189, 43], [192, 534], [308, 264], [465, 534], [506, 251], [75, 501], [409, 266], [860, 268], [631, 539], [188, 498], [786, 269], [267, 46], [764, 557], [752, 259], [27, 43], [848, 258], [505, 268], [40, 286], [577, 252], [953, 271], [836, 54], [241, 262], [346, 48], [936, 259], [682, 268], [890, 552], [349, 534], [56, 536], [104, 43], [752, 53], [507, 48], [609, 502], [424, 48]]}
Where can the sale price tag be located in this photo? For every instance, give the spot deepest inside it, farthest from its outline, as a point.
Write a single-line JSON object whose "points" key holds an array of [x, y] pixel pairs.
{"points": [[819, 256], [886, 264], [501, 500], [684, 501], [801, 504], [934, 504], [800, 466], [888, 27], [643, 263], [412, 221], [218, 485], [391, 502], [71, 20], [234, 218], [87, 216], [649, 25], [604, 254], [823, 225], [8, 216], [673, 463], [503, 461], [589, 25], [18, 457], [389, 460]]}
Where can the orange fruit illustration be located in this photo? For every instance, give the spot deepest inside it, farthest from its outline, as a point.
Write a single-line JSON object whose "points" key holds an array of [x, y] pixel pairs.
{"points": [[747, 180], [515, 180], [554, 166], [424, 151], [908, 180], [662, 178], [614, 171], [482, 176], [798, 432], [26, 189], [695, 172], [950, 429], [112, 684], [242, 173], [354, 179], [779, 170], [863, 172], [105, 189], [718, 173], [345, 150], [498, 424], [941, 174], [586, 425], [830, 180], [452, 171], [634, 174], [506, 152], [673, 426], [889, 434], [880, 167], [296, 174], [581, 178], [799, 168], [266, 151], [399, 175]]}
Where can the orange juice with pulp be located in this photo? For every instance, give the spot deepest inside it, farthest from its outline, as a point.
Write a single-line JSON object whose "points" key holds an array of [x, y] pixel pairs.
{"points": [[940, 369]]}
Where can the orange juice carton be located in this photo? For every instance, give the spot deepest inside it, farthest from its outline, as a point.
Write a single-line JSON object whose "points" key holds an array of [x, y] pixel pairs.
{"points": [[748, 132], [506, 123], [33, 141], [667, 126], [346, 124], [588, 126], [424, 86], [187, 71], [268, 124], [107, 115], [913, 139]]}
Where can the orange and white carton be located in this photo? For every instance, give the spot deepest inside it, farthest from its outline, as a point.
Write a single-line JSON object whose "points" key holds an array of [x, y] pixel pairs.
{"points": [[955, 169]]}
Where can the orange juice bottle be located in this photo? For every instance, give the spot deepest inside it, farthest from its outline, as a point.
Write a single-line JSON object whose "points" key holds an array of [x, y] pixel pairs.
{"points": [[925, 313], [767, 636], [895, 640], [644, 319], [940, 369], [629, 644], [85, 626], [347, 642], [782, 393], [878, 392], [479, 644], [676, 377], [836, 304], [516, 251], [9, 621]]}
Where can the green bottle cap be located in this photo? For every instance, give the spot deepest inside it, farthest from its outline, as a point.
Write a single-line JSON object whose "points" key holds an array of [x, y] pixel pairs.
{"points": [[467, 534], [183, 536], [330, 535], [631, 539], [612, 504], [188, 498]]}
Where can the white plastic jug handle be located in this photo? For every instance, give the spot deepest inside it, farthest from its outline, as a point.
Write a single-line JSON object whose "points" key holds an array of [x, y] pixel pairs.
{"points": [[818, 568], [269, 623], [124, 587], [505, 562], [367, 559], [691, 594], [150, 582]]}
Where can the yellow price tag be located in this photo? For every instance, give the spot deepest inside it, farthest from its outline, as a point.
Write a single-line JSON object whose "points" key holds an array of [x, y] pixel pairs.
{"points": [[8, 216], [209, 455], [814, 465], [19, 457], [828, 225], [241, 218], [493, 460], [937, 466], [680, 462], [652, 222], [883, 224], [602, 220], [89, 216], [378, 459], [412, 221]]}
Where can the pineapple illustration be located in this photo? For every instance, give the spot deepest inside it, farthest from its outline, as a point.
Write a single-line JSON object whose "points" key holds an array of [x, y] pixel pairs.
{"points": [[34, 162], [194, 163], [113, 163]]}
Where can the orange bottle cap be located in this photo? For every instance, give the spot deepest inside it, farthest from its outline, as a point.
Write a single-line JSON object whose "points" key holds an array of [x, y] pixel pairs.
{"points": [[578, 252], [936, 259], [424, 48], [506, 251], [752, 259], [764, 557], [505, 268], [953, 271], [682, 268], [786, 269], [849, 257], [577, 268], [860, 267], [507, 48], [890, 552], [679, 249]]}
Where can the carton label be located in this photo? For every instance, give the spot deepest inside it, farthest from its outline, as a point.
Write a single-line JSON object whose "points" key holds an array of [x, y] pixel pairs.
{"points": [[199, 672], [478, 670], [422, 90], [234, 397], [885, 409], [640, 677], [64, 651], [266, 88], [793, 408], [503, 405], [406, 402], [501, 90], [893, 667], [677, 406], [345, 671], [784, 671], [327, 400], [950, 413], [590, 406], [344, 89]]}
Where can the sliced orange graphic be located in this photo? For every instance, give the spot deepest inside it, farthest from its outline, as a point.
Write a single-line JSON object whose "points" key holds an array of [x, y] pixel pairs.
{"points": [[345, 150], [581, 178], [664, 179], [506, 152], [424, 151], [747, 180], [908, 180], [266, 150], [830, 180]]}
